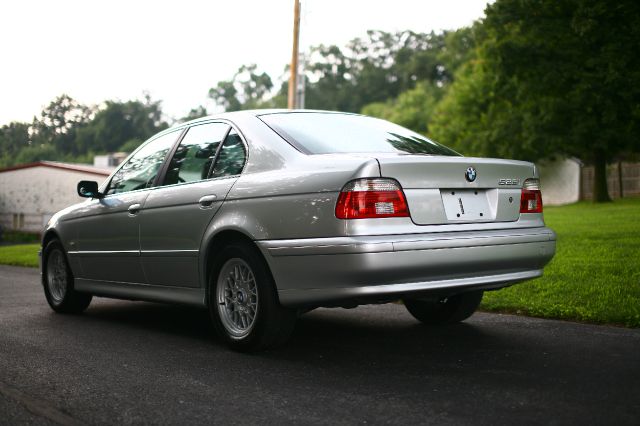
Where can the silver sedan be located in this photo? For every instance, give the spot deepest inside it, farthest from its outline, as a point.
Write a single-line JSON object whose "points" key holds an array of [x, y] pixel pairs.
{"points": [[263, 215]]}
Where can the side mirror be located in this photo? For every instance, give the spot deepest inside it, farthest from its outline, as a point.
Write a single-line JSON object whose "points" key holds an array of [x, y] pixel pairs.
{"points": [[88, 189]]}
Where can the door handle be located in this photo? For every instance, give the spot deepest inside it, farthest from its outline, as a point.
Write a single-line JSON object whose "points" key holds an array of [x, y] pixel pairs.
{"points": [[207, 200], [134, 209]]}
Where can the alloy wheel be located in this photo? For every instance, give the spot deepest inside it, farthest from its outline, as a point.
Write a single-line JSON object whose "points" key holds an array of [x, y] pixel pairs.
{"points": [[237, 297]]}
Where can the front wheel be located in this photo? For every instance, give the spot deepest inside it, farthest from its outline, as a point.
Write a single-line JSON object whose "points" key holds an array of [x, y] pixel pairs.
{"points": [[243, 302], [448, 310], [58, 281]]}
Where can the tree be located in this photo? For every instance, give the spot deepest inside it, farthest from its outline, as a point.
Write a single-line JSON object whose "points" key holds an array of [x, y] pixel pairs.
{"points": [[117, 124], [370, 69], [373, 69], [247, 90], [14, 137], [415, 107], [69, 131], [195, 113], [58, 123], [551, 77], [412, 109]]}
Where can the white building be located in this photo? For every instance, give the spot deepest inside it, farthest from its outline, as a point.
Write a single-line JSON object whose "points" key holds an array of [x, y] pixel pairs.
{"points": [[31, 193], [109, 161], [560, 181]]}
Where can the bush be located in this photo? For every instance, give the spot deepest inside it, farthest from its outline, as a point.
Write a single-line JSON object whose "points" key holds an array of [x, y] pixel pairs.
{"points": [[18, 237]]}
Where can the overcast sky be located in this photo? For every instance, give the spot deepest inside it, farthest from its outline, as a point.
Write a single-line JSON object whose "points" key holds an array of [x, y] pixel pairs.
{"points": [[98, 50]]}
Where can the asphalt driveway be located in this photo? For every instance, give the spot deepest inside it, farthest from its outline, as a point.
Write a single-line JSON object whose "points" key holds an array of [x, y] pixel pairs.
{"points": [[133, 362]]}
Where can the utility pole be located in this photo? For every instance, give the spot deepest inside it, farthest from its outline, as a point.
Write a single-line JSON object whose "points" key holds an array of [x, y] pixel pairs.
{"points": [[301, 83], [293, 79]]}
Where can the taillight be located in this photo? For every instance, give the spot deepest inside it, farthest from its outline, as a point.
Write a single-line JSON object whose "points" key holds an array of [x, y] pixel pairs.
{"points": [[371, 198], [531, 198]]}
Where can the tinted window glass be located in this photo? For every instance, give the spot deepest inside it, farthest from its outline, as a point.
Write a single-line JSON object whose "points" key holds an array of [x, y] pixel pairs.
{"points": [[141, 169], [193, 158], [232, 156], [326, 133]]}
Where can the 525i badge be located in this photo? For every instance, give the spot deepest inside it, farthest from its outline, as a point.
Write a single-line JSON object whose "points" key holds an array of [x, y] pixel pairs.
{"points": [[506, 181]]}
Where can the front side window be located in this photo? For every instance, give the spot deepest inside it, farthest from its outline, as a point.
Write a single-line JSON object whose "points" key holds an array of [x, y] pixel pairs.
{"points": [[141, 169], [231, 158], [195, 154]]}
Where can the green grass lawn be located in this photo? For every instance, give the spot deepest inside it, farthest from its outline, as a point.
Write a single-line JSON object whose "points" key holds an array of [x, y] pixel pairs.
{"points": [[594, 277], [20, 255], [595, 274]]}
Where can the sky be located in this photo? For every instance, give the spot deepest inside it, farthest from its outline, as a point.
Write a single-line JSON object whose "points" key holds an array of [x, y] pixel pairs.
{"points": [[99, 50]]}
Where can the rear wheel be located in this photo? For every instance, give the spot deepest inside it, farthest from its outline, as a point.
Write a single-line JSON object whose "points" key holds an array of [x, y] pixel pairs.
{"points": [[243, 302], [58, 281], [448, 310]]}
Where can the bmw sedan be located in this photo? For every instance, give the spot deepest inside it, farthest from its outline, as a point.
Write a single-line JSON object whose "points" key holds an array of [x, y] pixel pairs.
{"points": [[260, 216]]}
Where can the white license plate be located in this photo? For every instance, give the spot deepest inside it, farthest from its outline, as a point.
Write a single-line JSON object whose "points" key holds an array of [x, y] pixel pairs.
{"points": [[466, 204]]}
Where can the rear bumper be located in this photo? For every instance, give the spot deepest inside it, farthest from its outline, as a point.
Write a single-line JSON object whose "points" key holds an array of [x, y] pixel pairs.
{"points": [[325, 271]]}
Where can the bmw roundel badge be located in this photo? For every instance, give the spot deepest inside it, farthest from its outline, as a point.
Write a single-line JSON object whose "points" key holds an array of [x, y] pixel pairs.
{"points": [[471, 174]]}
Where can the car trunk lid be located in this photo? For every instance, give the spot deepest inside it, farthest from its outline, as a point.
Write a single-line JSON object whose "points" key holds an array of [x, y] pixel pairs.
{"points": [[442, 190]]}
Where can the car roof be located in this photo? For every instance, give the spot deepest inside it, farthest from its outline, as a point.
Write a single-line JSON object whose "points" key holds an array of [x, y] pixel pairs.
{"points": [[257, 113], [244, 114]]}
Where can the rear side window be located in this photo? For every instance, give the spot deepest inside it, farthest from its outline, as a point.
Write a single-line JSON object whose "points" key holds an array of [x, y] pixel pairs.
{"points": [[194, 156], [231, 158], [141, 169], [329, 133]]}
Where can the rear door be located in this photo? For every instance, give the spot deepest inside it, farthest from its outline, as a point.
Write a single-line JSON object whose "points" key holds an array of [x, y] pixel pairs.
{"points": [[203, 168]]}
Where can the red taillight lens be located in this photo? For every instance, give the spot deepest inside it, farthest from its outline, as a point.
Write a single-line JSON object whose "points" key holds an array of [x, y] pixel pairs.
{"points": [[531, 198], [371, 198]]}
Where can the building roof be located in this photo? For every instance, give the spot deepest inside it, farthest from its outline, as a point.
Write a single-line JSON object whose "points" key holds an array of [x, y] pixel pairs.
{"points": [[74, 167]]}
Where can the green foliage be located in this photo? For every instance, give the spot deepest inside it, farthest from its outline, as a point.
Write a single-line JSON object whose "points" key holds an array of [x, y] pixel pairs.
{"points": [[120, 122], [462, 119], [550, 77], [195, 113], [373, 69], [458, 48], [412, 109], [247, 90], [14, 137], [131, 145], [595, 274], [33, 153], [59, 124], [69, 131], [18, 237]]}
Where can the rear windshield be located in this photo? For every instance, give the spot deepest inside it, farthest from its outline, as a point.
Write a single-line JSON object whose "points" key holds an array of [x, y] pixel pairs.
{"points": [[330, 133]]}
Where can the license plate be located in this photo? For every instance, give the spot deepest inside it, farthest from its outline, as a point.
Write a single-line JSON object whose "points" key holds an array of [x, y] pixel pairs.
{"points": [[466, 204]]}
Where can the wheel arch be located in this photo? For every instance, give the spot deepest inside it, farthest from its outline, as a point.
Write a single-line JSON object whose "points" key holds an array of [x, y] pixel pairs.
{"points": [[215, 244], [48, 236]]}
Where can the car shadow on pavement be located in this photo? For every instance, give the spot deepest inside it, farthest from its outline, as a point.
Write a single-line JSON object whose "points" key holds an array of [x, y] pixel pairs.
{"points": [[352, 337], [172, 319], [368, 332]]}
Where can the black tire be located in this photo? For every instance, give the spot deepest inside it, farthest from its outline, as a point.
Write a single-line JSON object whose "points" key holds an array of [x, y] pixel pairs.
{"points": [[272, 324], [59, 283], [448, 310]]}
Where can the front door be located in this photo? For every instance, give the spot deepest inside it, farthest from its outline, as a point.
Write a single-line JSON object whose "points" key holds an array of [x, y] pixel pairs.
{"points": [[109, 231]]}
